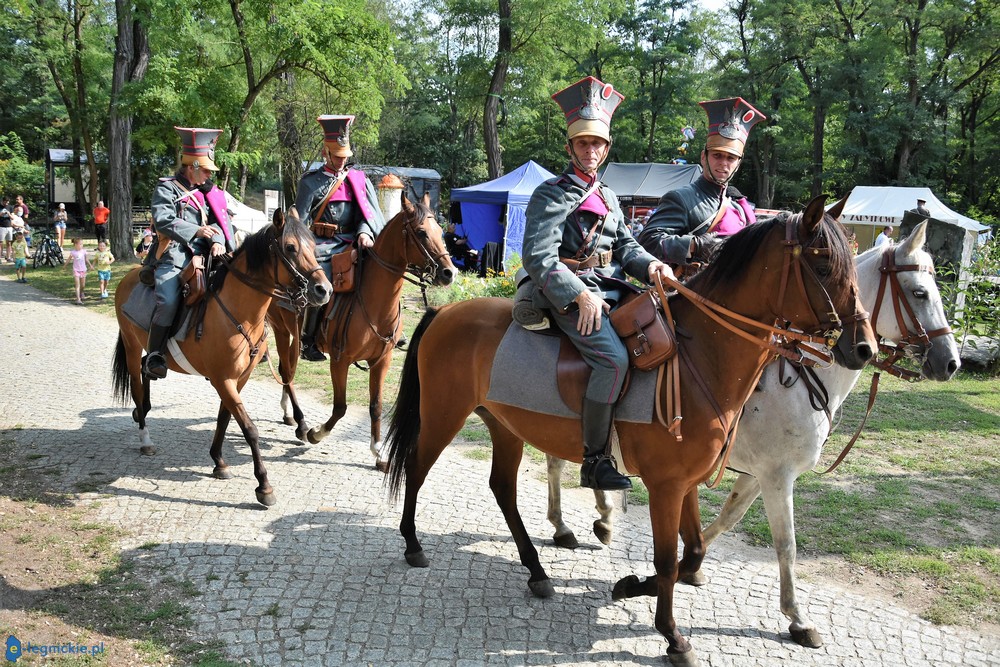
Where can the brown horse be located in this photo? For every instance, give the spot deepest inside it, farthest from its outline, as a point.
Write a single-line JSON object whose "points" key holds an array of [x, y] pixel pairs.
{"points": [[366, 322], [786, 269], [279, 257]]}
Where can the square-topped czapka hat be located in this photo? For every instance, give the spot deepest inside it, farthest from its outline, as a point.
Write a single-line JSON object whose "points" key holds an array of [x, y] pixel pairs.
{"points": [[337, 134], [589, 105], [729, 123], [198, 147]]}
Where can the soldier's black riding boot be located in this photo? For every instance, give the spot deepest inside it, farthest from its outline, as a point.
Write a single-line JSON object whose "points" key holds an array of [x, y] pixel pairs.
{"points": [[309, 328], [155, 366], [598, 471]]}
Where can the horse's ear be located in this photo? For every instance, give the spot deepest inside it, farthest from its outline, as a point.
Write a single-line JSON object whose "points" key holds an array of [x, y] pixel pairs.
{"points": [[813, 215], [426, 199], [915, 241], [278, 219], [407, 206], [838, 208]]}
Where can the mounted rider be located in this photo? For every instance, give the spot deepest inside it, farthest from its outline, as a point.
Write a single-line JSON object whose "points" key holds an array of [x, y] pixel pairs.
{"points": [[690, 222], [190, 217], [577, 251], [340, 205]]}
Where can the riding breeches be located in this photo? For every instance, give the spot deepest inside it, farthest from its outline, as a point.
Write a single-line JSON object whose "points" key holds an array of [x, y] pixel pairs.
{"points": [[168, 293], [603, 351]]}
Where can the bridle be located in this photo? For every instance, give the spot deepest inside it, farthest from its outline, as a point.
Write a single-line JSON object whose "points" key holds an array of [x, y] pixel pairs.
{"points": [[786, 342], [422, 275], [915, 340]]}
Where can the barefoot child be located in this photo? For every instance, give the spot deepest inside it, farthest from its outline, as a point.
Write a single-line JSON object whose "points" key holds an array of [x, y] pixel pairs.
{"points": [[20, 247], [103, 259], [80, 261]]}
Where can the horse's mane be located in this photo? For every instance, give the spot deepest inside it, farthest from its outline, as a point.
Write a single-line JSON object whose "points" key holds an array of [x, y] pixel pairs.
{"points": [[735, 254], [257, 246]]}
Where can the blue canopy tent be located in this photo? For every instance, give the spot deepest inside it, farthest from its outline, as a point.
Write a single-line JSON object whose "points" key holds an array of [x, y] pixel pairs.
{"points": [[493, 212]]}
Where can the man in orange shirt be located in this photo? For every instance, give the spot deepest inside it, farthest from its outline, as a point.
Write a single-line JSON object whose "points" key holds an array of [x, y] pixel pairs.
{"points": [[101, 214]]}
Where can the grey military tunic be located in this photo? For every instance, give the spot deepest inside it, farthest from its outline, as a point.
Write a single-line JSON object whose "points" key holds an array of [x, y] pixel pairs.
{"points": [[177, 216], [360, 215], [555, 229]]}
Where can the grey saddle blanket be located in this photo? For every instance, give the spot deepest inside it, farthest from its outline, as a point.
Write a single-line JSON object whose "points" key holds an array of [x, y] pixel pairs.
{"points": [[524, 375], [139, 308]]}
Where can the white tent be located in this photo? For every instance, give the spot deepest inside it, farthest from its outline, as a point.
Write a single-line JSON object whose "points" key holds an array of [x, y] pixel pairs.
{"points": [[245, 219], [880, 206]]}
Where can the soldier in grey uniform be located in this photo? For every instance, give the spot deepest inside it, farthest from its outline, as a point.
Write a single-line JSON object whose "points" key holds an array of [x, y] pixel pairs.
{"points": [[341, 207], [577, 251], [189, 216], [690, 222]]}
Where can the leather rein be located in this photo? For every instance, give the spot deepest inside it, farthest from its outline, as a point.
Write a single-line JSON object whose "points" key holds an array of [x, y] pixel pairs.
{"points": [[784, 342], [275, 290]]}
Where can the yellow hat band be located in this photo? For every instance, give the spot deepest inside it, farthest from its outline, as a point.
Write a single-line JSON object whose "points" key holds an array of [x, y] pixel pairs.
{"points": [[717, 142], [337, 150], [593, 128], [200, 161]]}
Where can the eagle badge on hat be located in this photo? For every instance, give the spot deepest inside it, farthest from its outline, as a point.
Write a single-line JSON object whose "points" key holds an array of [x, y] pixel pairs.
{"points": [[198, 146], [589, 105], [337, 134], [729, 124]]}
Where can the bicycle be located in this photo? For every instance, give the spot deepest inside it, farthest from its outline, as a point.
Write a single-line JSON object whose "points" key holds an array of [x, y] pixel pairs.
{"points": [[47, 253]]}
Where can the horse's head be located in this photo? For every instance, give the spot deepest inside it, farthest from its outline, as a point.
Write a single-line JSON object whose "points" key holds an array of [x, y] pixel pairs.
{"points": [[908, 310], [413, 241], [815, 290], [290, 247]]}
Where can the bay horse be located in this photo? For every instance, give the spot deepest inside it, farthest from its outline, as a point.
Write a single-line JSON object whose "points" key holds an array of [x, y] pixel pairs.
{"points": [[277, 259], [367, 321], [784, 428], [787, 269]]}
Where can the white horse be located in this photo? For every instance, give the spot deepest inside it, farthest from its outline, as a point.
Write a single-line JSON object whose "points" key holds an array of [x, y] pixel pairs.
{"points": [[781, 435]]}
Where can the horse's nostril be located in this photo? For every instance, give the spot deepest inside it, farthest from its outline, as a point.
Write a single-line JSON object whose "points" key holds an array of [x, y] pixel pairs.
{"points": [[864, 351]]}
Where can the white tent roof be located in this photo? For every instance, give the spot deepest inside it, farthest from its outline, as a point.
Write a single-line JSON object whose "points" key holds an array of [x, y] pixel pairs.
{"points": [[243, 217], [871, 205]]}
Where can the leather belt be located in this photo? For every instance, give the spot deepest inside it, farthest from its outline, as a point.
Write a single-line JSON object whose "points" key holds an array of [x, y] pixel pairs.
{"points": [[598, 259]]}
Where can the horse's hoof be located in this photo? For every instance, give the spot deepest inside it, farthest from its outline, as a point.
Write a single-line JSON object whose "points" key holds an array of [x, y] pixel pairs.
{"points": [[686, 659], [621, 589], [566, 541], [288, 421], [417, 559], [602, 533], [222, 472], [808, 637], [147, 450], [302, 434], [382, 466], [542, 589], [693, 579], [266, 499], [311, 437], [135, 415]]}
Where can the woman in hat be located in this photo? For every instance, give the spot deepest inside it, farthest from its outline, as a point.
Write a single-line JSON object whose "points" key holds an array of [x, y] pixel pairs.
{"points": [[59, 220], [341, 206], [189, 216], [577, 251], [689, 221]]}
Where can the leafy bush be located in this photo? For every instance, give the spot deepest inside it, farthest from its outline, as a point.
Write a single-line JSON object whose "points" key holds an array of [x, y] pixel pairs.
{"points": [[470, 287], [18, 176]]}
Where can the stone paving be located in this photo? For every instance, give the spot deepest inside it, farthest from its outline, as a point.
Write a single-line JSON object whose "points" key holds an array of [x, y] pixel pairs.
{"points": [[319, 579]]}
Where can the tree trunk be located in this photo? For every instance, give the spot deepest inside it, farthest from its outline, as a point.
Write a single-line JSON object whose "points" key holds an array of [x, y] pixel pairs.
{"points": [[819, 125], [491, 135], [131, 61]]}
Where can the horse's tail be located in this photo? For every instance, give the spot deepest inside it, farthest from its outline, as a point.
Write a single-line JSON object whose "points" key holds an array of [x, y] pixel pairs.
{"points": [[404, 429], [122, 386]]}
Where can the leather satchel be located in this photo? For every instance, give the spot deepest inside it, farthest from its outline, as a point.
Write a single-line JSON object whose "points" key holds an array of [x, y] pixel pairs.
{"points": [[643, 327], [193, 281], [343, 267]]}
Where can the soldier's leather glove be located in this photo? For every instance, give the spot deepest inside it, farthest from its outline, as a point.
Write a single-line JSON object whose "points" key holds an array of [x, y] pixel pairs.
{"points": [[703, 248]]}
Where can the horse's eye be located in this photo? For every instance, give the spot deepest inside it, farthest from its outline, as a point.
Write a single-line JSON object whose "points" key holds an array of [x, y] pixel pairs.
{"points": [[920, 293], [823, 270], [290, 248]]}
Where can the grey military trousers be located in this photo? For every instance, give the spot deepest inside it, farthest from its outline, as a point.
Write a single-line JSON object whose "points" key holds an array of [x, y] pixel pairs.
{"points": [[168, 292], [603, 351]]}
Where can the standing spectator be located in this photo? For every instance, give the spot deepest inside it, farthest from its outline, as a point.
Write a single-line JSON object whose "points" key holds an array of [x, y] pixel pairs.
{"points": [[59, 219], [103, 259], [20, 257], [142, 248], [25, 211], [884, 237], [101, 214], [6, 231], [853, 243], [922, 208], [79, 264]]}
